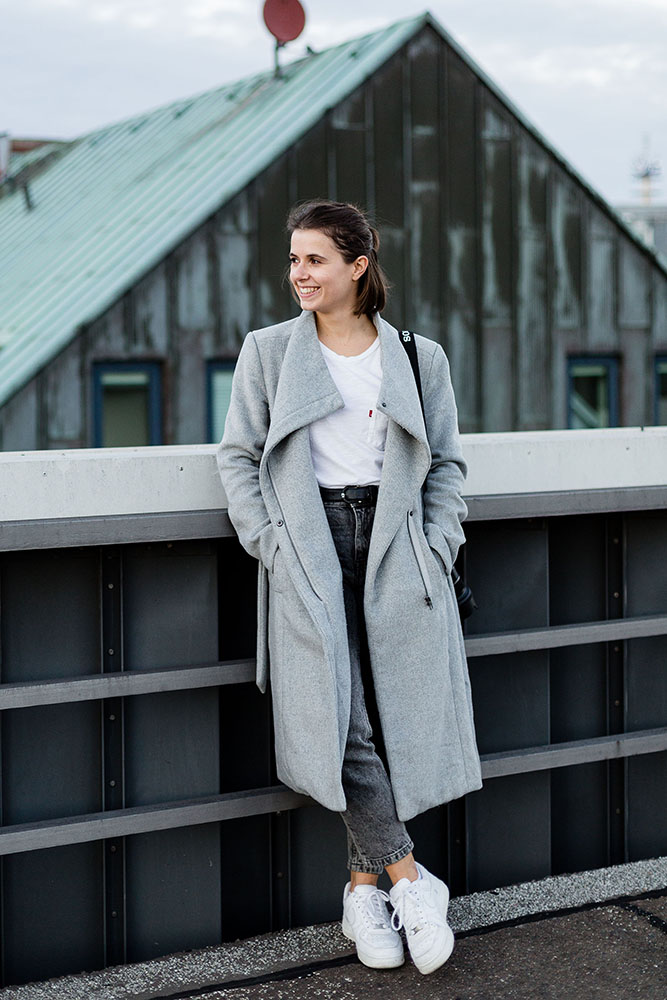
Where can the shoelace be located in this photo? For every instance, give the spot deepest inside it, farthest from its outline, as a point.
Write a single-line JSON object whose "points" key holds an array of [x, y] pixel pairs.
{"points": [[375, 907], [409, 911]]}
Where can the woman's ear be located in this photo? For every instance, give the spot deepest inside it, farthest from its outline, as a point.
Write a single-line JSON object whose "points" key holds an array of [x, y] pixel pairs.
{"points": [[359, 268]]}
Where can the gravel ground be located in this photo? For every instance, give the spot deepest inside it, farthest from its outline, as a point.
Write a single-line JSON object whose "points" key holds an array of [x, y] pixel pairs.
{"points": [[619, 948]]}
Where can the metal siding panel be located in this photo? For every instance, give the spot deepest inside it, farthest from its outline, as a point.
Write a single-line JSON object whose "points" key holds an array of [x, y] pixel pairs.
{"points": [[497, 215], [348, 135], [577, 584], [533, 376], [50, 625], [272, 207], [148, 326], [646, 820], [193, 284], [579, 806], [496, 554], [387, 85], [64, 399], [53, 912], [19, 420], [426, 231], [311, 163], [634, 280], [635, 381], [171, 747], [601, 334], [566, 236], [318, 856], [497, 380], [659, 324], [234, 252], [511, 698], [173, 891], [246, 886], [509, 831]]}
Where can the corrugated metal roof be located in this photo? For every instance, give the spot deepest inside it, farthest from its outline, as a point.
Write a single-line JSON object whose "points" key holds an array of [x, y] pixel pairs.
{"points": [[123, 196], [117, 200]]}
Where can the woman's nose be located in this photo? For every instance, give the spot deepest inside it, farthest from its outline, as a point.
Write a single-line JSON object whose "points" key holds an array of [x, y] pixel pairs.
{"points": [[298, 271]]}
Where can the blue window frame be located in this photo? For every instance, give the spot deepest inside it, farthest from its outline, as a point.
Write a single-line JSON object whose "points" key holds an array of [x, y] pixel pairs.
{"points": [[127, 404], [219, 376], [592, 392], [660, 414]]}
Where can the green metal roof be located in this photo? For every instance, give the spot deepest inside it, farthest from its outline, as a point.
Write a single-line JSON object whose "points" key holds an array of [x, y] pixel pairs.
{"points": [[113, 203], [121, 197]]}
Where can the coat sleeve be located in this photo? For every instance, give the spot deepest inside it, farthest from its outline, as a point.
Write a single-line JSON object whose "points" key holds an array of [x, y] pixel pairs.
{"points": [[444, 508], [239, 454]]}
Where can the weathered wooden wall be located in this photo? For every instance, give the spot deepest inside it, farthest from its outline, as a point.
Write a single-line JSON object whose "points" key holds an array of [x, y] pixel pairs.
{"points": [[493, 247]]}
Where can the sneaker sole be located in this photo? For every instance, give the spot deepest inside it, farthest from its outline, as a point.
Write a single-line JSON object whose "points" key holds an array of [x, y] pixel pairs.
{"points": [[373, 961]]}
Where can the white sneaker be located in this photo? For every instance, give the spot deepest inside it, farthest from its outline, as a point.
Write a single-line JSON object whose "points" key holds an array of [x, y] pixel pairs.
{"points": [[421, 908], [366, 922]]}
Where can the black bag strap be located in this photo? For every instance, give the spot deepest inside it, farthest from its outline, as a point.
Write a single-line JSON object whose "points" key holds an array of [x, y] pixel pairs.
{"points": [[409, 343], [464, 594]]}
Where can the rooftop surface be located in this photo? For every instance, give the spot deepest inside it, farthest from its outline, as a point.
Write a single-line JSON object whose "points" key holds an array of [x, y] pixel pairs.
{"points": [[599, 935]]}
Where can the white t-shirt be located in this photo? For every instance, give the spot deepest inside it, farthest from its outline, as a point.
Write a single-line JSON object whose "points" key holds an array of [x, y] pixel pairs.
{"points": [[348, 445]]}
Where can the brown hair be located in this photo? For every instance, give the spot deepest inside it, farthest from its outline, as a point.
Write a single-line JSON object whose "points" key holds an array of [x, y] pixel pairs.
{"points": [[354, 237]]}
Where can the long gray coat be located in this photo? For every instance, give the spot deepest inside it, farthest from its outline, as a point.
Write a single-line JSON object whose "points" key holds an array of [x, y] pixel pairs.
{"points": [[281, 385]]}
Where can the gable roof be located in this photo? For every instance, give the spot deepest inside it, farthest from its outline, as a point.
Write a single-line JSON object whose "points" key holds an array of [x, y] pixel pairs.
{"points": [[109, 206]]}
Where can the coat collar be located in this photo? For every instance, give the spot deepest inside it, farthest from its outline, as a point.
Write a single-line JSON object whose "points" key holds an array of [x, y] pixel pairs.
{"points": [[306, 392]]}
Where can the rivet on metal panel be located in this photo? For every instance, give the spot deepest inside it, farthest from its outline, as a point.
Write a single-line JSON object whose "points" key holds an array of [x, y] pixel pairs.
{"points": [[113, 848], [279, 875], [170, 545], [616, 541], [616, 594], [114, 913], [110, 586], [617, 649], [617, 702], [112, 718], [112, 783], [110, 652], [618, 811]]}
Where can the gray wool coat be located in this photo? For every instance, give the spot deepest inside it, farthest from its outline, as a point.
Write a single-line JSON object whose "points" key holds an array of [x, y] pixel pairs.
{"points": [[281, 385]]}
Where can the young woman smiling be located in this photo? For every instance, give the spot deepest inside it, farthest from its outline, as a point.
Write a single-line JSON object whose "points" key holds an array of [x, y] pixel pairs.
{"points": [[354, 512]]}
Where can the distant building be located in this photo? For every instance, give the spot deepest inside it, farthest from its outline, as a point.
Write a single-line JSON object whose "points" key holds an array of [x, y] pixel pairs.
{"points": [[134, 260]]}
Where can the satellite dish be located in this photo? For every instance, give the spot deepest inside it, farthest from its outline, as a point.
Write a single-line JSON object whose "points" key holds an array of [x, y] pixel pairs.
{"points": [[285, 19]]}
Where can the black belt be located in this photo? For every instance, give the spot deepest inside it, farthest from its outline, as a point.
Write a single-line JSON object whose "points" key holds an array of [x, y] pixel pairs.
{"points": [[353, 494]]}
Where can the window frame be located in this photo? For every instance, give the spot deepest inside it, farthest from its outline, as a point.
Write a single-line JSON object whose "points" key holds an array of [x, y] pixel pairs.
{"points": [[212, 366], [154, 371], [613, 371]]}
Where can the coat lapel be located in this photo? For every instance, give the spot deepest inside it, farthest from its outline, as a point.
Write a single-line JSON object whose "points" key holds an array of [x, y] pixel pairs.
{"points": [[306, 392], [407, 457]]}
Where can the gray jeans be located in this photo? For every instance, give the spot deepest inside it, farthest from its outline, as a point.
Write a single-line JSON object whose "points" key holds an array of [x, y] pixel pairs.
{"points": [[375, 835]]}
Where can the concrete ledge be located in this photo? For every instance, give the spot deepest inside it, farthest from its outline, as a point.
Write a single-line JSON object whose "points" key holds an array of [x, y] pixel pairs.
{"points": [[271, 953]]}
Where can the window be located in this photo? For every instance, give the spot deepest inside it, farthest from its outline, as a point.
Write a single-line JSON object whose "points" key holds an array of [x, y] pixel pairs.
{"points": [[127, 406], [219, 390], [592, 392], [661, 390]]}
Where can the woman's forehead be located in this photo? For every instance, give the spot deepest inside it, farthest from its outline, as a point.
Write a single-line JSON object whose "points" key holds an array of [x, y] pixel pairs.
{"points": [[309, 242]]}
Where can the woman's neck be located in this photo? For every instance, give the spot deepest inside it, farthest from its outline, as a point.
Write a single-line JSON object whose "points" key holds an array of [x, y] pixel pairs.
{"points": [[345, 334]]}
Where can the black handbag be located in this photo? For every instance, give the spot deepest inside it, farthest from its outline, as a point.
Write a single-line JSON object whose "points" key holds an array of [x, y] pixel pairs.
{"points": [[464, 595]]}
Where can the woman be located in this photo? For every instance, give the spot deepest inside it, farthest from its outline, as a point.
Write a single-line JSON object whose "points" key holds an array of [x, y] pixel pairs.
{"points": [[355, 515]]}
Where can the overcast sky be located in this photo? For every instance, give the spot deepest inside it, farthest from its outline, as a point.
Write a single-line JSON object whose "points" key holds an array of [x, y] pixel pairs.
{"points": [[590, 74]]}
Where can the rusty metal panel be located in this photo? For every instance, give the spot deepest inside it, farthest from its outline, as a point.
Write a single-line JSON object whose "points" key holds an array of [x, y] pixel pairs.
{"points": [[194, 291], [387, 85], [65, 399], [19, 420], [462, 240], [311, 175], [566, 236], [148, 332], [425, 208], [659, 324], [601, 332], [533, 374], [348, 138], [497, 214], [634, 306], [273, 203], [234, 253]]}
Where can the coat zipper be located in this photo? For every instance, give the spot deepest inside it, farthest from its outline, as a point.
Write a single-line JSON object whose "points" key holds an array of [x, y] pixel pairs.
{"points": [[284, 525], [421, 562]]}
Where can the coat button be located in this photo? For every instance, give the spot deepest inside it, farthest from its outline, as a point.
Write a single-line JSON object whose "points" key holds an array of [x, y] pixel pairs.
{"points": [[279, 524], [410, 512]]}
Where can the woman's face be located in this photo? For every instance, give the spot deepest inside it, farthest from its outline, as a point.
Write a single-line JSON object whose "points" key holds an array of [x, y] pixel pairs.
{"points": [[320, 275]]}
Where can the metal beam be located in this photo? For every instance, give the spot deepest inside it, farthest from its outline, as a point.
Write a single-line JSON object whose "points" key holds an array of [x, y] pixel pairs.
{"points": [[130, 682], [166, 816], [618, 629], [496, 765]]}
